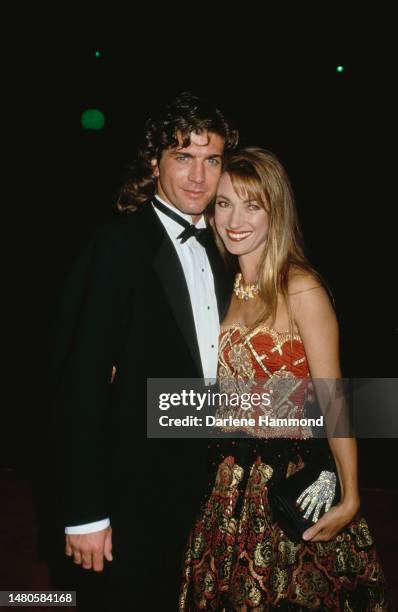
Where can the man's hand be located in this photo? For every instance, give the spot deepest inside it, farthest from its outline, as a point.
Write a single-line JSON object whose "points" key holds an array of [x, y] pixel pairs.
{"points": [[89, 549]]}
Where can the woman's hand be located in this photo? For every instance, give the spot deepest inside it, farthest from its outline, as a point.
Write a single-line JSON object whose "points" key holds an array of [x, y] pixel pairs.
{"points": [[332, 522]]}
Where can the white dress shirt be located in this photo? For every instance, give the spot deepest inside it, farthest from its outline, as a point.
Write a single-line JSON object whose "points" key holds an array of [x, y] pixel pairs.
{"points": [[200, 284]]}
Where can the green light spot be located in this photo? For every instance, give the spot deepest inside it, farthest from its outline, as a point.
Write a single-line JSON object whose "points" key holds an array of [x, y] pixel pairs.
{"points": [[98, 54], [340, 68], [92, 119]]}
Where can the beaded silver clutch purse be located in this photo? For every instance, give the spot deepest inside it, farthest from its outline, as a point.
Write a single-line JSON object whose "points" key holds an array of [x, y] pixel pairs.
{"points": [[298, 501]]}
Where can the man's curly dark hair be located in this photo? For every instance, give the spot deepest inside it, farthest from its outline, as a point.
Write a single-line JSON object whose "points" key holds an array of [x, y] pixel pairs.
{"points": [[185, 114]]}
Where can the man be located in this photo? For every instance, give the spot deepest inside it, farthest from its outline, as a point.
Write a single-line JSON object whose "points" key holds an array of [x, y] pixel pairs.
{"points": [[143, 300]]}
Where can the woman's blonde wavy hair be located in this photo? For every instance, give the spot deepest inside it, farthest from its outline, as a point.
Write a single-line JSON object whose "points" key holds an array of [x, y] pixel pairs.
{"points": [[258, 175]]}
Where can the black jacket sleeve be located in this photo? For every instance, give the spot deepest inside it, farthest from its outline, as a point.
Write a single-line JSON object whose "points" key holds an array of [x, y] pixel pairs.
{"points": [[89, 329]]}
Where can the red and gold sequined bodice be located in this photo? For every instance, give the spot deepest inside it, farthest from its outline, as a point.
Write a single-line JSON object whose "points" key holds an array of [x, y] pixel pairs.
{"points": [[261, 352], [264, 359]]}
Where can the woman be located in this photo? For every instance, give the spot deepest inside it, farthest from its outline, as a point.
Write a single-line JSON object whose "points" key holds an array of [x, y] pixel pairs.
{"points": [[280, 326]]}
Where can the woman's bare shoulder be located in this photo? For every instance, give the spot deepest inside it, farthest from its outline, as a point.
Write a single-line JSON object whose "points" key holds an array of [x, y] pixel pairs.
{"points": [[309, 299], [301, 280]]}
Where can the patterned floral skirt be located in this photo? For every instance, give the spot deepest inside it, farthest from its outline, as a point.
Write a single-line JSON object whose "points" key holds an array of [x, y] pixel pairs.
{"points": [[238, 559]]}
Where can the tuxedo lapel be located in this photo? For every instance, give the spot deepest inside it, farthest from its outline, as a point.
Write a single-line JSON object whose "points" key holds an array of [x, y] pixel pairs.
{"points": [[222, 276], [168, 269]]}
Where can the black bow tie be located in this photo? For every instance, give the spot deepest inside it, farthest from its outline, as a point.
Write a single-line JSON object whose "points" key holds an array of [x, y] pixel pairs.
{"points": [[202, 235]]}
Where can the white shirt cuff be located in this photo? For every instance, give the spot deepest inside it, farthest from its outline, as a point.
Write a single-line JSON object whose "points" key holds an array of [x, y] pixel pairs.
{"points": [[88, 527]]}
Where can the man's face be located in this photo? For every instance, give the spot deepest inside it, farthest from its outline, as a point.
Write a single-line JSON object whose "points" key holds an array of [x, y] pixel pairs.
{"points": [[188, 176]]}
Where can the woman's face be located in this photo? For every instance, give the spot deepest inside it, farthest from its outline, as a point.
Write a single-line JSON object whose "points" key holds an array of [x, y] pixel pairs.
{"points": [[242, 224]]}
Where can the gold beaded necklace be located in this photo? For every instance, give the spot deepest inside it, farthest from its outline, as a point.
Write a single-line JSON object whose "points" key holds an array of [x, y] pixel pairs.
{"points": [[245, 293]]}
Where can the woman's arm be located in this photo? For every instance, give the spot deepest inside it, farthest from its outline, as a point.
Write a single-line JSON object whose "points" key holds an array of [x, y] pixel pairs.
{"points": [[318, 328]]}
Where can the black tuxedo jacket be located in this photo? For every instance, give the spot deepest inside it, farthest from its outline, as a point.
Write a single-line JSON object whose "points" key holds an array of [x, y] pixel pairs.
{"points": [[126, 304]]}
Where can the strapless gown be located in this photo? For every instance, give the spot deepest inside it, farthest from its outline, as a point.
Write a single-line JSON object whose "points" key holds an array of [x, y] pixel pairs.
{"points": [[237, 557]]}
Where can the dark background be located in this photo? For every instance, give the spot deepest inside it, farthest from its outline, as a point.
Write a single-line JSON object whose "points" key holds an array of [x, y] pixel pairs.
{"points": [[273, 70]]}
